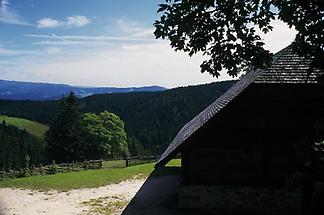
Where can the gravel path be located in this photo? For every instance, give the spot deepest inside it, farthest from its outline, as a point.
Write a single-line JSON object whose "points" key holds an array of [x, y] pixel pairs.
{"points": [[74, 202]]}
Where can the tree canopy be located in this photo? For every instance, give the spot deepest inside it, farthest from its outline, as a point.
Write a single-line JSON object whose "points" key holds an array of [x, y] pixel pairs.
{"points": [[104, 135], [64, 135], [225, 30]]}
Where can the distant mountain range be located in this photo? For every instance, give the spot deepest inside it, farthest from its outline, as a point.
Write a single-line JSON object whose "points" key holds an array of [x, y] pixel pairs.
{"points": [[17, 90]]}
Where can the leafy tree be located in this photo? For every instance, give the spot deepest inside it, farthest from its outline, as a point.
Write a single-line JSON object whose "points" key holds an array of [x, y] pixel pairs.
{"points": [[64, 135], [118, 137], [104, 135], [225, 30]]}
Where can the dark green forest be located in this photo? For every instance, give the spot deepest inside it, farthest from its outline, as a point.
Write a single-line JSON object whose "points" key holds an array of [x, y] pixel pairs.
{"points": [[152, 119], [18, 148]]}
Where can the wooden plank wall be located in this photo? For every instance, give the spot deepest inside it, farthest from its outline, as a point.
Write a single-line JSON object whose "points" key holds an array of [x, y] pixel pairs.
{"points": [[252, 141]]}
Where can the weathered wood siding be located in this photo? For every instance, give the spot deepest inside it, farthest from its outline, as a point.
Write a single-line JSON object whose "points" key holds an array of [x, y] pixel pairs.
{"points": [[252, 142]]}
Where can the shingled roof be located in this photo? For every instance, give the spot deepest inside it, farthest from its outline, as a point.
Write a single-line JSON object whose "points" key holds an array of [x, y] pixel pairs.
{"points": [[287, 68]]}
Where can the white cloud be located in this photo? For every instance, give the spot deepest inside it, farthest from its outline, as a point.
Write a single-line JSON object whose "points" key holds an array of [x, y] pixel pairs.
{"points": [[126, 65], [128, 27], [49, 23], [131, 32], [134, 29], [144, 33], [9, 16], [85, 40], [132, 60], [53, 50], [6, 52], [15, 52], [77, 21], [71, 21]]}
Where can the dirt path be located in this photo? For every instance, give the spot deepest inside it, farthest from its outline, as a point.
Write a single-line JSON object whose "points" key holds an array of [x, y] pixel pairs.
{"points": [[74, 202]]}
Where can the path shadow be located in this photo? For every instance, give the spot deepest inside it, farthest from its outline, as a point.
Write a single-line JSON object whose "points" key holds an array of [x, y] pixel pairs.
{"points": [[158, 195]]}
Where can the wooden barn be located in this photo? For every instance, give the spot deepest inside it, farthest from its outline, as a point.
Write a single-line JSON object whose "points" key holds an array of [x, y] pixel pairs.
{"points": [[238, 153]]}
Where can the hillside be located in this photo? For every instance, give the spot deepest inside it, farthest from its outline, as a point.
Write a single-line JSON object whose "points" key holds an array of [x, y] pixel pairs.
{"points": [[151, 119], [16, 144], [34, 128], [17, 90]]}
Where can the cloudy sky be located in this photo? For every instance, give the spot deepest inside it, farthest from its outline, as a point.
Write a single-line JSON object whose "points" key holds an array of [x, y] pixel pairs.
{"points": [[97, 43]]}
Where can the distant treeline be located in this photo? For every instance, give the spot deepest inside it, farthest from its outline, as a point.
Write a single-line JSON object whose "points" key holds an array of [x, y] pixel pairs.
{"points": [[152, 119]]}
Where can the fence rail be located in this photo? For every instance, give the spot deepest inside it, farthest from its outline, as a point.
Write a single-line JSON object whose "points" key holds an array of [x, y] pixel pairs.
{"points": [[78, 166]]}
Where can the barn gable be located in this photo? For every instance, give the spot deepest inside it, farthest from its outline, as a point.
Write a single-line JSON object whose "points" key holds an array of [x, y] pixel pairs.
{"points": [[287, 68]]}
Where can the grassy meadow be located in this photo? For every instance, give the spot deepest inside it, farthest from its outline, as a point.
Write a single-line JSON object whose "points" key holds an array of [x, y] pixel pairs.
{"points": [[32, 127], [90, 178]]}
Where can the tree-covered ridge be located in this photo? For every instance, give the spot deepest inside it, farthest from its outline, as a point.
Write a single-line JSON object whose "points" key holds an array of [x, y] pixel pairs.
{"points": [[152, 119], [18, 148]]}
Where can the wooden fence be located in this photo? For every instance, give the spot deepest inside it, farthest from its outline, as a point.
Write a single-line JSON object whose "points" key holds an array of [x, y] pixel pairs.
{"points": [[53, 169], [132, 161], [78, 166]]}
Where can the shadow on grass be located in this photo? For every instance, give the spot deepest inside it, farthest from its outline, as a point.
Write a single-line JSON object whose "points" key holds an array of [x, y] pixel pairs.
{"points": [[158, 195]]}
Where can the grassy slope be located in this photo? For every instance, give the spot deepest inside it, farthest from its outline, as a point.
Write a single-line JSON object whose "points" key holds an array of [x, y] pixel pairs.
{"points": [[32, 127], [89, 178]]}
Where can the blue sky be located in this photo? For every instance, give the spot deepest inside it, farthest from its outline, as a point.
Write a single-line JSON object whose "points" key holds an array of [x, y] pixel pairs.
{"points": [[97, 43]]}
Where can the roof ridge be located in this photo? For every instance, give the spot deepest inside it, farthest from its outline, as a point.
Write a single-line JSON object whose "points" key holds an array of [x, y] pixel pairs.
{"points": [[204, 116], [286, 67], [278, 54]]}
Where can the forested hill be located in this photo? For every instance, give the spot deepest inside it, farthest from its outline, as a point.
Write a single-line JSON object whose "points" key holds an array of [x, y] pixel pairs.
{"points": [[18, 90], [152, 119]]}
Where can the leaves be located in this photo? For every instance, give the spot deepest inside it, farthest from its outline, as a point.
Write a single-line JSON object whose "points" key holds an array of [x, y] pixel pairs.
{"points": [[224, 30], [104, 135]]}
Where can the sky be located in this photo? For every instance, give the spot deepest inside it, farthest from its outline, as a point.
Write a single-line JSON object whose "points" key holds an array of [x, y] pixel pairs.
{"points": [[99, 43]]}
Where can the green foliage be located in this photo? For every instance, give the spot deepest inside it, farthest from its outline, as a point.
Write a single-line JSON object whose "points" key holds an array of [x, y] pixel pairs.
{"points": [[319, 149], [27, 162], [135, 147], [225, 30], [74, 136], [19, 149], [89, 178], [34, 128], [153, 119], [104, 136], [64, 135]]}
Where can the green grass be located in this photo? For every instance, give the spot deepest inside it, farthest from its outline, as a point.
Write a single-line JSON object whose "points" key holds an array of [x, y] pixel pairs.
{"points": [[106, 205], [32, 127], [113, 164], [89, 178]]}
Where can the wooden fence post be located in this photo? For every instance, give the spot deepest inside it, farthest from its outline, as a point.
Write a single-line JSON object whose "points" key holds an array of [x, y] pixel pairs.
{"points": [[101, 163], [127, 161]]}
